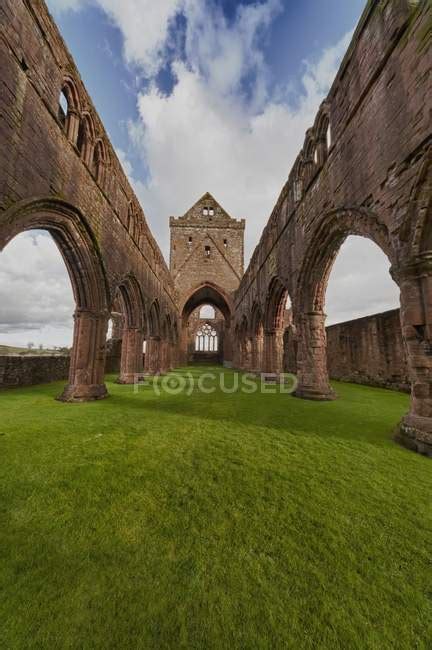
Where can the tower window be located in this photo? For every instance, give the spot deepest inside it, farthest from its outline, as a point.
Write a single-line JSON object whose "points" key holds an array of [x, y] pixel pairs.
{"points": [[190, 241], [211, 212], [226, 243], [205, 212], [207, 251]]}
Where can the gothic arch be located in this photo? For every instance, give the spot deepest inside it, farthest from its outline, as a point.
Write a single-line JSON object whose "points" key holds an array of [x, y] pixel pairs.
{"points": [[81, 254], [324, 246], [132, 302], [208, 293], [74, 239], [154, 325], [421, 208], [69, 119], [320, 255]]}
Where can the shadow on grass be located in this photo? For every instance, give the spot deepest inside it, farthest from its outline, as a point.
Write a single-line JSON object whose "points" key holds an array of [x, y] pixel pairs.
{"points": [[360, 413]]}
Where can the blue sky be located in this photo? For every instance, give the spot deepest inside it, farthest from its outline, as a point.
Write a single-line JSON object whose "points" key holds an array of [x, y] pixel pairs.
{"points": [[196, 96], [299, 33]]}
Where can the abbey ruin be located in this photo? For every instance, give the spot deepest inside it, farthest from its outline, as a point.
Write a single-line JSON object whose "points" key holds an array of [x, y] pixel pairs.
{"points": [[365, 169]]}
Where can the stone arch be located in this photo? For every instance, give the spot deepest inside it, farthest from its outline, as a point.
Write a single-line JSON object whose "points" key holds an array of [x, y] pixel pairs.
{"points": [[321, 252], [99, 161], [323, 133], [299, 184], [154, 325], [257, 334], [153, 357], [134, 319], [208, 293], [275, 323], [421, 208], [310, 157], [86, 138], [81, 254], [70, 119]]}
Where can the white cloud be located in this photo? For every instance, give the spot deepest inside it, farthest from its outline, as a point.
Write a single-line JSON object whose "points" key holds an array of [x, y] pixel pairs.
{"points": [[204, 136], [35, 294], [223, 128], [360, 283], [58, 6]]}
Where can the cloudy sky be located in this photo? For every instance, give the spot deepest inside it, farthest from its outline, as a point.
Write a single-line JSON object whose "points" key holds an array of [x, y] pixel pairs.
{"points": [[197, 95]]}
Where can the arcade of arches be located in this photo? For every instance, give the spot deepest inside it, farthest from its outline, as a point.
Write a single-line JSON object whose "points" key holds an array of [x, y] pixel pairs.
{"points": [[362, 171]]}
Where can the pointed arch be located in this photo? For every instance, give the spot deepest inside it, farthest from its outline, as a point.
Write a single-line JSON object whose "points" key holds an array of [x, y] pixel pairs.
{"points": [[154, 324], [131, 298], [75, 240], [208, 294], [325, 242], [86, 138]]}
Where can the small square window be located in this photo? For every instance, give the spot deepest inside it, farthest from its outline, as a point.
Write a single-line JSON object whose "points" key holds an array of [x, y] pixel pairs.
{"points": [[211, 212], [205, 212]]}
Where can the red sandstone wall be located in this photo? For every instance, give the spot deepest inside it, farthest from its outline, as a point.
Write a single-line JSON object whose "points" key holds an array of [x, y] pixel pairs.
{"points": [[369, 351], [38, 159]]}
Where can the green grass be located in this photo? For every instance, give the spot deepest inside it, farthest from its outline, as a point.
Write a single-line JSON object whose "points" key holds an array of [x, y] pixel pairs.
{"points": [[212, 521]]}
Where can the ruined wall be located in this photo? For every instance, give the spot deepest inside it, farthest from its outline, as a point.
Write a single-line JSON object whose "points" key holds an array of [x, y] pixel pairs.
{"points": [[361, 162], [365, 169], [57, 160], [369, 351], [28, 370]]}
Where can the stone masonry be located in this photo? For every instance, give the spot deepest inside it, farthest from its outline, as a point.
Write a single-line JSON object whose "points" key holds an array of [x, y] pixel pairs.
{"points": [[365, 169], [207, 263]]}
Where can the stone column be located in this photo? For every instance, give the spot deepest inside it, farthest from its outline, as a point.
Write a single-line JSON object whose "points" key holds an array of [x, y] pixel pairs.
{"points": [[273, 351], [72, 125], [312, 358], [247, 359], [416, 319], [152, 357], [164, 356], [87, 365], [269, 351], [225, 346], [254, 361], [259, 345], [132, 355]]}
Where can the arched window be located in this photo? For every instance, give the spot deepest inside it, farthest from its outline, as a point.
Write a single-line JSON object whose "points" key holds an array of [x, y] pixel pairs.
{"points": [[85, 141], [63, 107], [206, 339], [69, 109], [98, 163]]}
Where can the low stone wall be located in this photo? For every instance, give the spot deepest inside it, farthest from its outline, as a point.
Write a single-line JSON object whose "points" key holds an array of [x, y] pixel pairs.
{"points": [[369, 351], [29, 370]]}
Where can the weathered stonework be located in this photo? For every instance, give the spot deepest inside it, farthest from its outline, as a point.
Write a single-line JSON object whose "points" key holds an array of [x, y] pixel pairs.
{"points": [[206, 262], [369, 351], [365, 169], [30, 370], [59, 172]]}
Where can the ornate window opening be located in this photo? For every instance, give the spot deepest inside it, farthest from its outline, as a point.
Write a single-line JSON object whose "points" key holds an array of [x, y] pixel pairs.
{"points": [[206, 339]]}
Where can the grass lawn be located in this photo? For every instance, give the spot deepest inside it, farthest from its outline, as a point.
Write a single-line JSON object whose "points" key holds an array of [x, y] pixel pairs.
{"points": [[212, 521]]}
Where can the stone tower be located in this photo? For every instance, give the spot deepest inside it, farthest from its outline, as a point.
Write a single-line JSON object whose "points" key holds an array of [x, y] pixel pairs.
{"points": [[207, 264]]}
